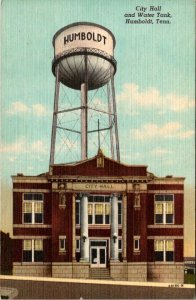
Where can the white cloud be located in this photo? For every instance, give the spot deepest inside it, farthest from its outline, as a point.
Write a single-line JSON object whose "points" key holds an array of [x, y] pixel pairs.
{"points": [[131, 95], [39, 110], [168, 130], [21, 146], [160, 151], [15, 147], [19, 107]]}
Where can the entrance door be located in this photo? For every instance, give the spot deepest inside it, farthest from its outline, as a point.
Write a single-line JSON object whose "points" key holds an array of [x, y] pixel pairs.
{"points": [[98, 257]]}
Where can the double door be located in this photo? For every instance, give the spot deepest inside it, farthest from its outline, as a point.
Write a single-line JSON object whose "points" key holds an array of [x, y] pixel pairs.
{"points": [[98, 256]]}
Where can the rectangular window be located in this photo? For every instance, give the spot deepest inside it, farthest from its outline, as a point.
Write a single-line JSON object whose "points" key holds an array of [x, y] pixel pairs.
{"points": [[27, 209], [33, 250], [90, 213], [62, 243], [107, 213], [77, 212], [120, 245], [136, 244], [99, 210], [77, 245], [119, 213], [164, 209], [164, 250], [99, 213], [33, 208], [38, 250], [27, 250], [38, 210], [33, 196]]}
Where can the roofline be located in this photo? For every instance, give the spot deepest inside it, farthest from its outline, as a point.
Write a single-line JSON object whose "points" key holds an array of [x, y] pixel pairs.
{"points": [[83, 23], [89, 159], [169, 178]]}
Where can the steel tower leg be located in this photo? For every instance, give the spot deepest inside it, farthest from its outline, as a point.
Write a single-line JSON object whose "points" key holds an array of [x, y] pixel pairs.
{"points": [[55, 111], [84, 116], [110, 121], [115, 120]]}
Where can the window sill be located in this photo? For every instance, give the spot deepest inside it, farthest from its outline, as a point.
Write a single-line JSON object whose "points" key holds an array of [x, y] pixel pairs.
{"points": [[62, 252], [62, 206], [136, 252], [25, 263], [164, 224], [137, 207], [164, 262], [33, 223]]}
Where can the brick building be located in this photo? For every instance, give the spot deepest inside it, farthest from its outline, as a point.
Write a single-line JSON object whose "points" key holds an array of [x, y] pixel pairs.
{"points": [[5, 253], [99, 218]]}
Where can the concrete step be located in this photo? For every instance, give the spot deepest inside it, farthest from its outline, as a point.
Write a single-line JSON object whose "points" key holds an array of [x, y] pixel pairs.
{"points": [[99, 273]]}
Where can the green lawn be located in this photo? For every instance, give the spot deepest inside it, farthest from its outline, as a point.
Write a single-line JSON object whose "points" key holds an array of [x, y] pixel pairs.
{"points": [[189, 278]]}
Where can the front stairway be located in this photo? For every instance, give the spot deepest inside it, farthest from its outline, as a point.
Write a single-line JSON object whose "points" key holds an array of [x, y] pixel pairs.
{"points": [[99, 273]]}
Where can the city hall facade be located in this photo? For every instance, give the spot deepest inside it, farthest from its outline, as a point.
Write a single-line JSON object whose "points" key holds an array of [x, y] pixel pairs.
{"points": [[99, 218]]}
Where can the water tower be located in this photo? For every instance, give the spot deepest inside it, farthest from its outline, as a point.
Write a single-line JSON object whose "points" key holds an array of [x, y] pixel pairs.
{"points": [[83, 61]]}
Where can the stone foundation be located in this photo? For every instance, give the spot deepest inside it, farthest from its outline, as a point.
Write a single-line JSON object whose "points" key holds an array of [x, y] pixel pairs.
{"points": [[155, 272], [70, 270], [63, 270], [137, 272], [170, 273], [81, 270], [43, 270], [118, 271]]}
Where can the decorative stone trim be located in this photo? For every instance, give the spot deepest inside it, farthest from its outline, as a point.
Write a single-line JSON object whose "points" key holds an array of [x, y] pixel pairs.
{"points": [[167, 237], [29, 179], [31, 190], [32, 226], [165, 226], [26, 237], [166, 191]]}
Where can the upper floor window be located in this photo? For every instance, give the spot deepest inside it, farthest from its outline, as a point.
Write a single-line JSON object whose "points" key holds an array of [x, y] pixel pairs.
{"points": [[164, 209], [99, 210], [77, 212], [33, 208], [164, 250], [98, 213], [33, 250], [119, 213]]}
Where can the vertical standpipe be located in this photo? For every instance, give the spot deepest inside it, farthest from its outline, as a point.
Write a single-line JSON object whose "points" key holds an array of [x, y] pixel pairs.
{"points": [[84, 121], [84, 114]]}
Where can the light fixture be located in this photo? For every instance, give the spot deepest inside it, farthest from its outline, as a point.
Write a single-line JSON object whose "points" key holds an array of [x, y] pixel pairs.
{"points": [[84, 237], [114, 237]]}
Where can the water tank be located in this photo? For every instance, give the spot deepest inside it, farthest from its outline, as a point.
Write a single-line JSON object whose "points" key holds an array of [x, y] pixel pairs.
{"points": [[84, 53]]}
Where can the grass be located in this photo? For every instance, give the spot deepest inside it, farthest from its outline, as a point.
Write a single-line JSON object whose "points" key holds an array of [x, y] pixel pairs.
{"points": [[189, 278]]}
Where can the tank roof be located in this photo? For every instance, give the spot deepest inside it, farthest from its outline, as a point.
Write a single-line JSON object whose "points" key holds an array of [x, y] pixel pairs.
{"points": [[83, 23]]}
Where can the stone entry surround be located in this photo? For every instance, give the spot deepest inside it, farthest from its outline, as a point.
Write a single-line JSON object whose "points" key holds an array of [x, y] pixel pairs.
{"points": [[84, 239]]}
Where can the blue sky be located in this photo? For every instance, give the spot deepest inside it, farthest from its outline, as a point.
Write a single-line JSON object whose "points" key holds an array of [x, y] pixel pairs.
{"points": [[154, 82]]}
